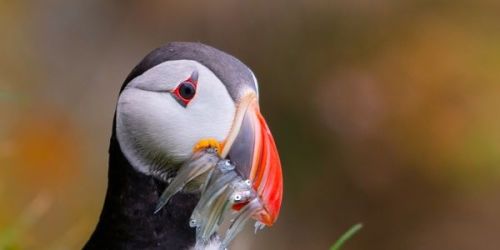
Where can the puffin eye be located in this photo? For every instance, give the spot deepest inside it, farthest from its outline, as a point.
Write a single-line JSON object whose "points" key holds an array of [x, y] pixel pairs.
{"points": [[184, 92], [187, 90]]}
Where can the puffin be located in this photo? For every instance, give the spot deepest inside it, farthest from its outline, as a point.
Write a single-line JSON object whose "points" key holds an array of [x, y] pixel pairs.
{"points": [[191, 158]]}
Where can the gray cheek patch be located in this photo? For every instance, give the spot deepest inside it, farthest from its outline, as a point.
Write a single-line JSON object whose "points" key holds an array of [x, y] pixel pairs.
{"points": [[131, 138], [155, 130]]}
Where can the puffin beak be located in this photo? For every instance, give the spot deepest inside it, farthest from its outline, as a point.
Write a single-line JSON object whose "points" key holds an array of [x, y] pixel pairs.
{"points": [[250, 147], [243, 173]]}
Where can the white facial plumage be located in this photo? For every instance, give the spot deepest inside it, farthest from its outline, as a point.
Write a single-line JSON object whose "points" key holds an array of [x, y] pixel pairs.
{"points": [[155, 131]]}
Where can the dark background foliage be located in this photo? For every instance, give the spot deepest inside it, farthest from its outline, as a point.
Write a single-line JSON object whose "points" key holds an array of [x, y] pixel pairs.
{"points": [[384, 112]]}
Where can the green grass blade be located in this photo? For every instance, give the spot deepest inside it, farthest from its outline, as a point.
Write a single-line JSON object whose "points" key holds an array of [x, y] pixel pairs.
{"points": [[346, 236]]}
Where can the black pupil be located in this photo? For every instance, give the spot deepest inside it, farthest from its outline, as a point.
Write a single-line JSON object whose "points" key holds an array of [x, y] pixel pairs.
{"points": [[187, 90]]}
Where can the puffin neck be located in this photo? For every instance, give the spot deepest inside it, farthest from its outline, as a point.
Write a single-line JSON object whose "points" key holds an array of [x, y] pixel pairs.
{"points": [[128, 221]]}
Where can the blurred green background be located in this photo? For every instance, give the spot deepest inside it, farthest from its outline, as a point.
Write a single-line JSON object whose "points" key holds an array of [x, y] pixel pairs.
{"points": [[385, 112]]}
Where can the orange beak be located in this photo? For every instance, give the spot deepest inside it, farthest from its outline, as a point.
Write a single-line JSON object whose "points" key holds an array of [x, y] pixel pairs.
{"points": [[251, 148]]}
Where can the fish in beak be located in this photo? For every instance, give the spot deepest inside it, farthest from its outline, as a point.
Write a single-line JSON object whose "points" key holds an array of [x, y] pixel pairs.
{"points": [[242, 174]]}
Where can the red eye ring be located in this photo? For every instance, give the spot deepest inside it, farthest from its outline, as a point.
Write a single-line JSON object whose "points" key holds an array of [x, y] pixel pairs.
{"points": [[186, 90]]}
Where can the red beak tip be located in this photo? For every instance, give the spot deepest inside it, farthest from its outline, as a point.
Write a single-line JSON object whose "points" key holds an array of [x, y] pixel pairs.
{"points": [[269, 181], [263, 168]]}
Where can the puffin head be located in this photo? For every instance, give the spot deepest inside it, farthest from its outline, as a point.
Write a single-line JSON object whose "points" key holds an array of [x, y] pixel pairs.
{"points": [[185, 98]]}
